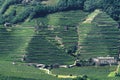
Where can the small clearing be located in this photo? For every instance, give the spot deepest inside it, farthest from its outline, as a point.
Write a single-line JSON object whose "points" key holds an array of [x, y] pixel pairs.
{"points": [[59, 40], [66, 76], [91, 17]]}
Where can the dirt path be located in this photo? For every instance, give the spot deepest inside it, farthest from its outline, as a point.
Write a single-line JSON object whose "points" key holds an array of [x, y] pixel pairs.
{"points": [[66, 76], [91, 17], [47, 71], [59, 40]]}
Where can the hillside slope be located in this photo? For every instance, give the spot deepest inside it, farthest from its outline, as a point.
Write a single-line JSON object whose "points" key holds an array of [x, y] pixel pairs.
{"points": [[57, 32], [56, 42], [99, 38], [37, 8]]}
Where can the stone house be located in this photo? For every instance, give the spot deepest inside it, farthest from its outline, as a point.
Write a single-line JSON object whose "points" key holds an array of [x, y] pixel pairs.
{"points": [[105, 61], [6, 25]]}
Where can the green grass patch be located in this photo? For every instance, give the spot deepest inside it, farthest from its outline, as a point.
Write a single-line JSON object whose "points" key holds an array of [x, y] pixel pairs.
{"points": [[91, 71], [112, 74]]}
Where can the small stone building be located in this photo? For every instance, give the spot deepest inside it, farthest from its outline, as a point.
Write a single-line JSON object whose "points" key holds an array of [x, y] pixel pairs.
{"points": [[6, 25], [105, 61], [40, 65], [26, 1]]}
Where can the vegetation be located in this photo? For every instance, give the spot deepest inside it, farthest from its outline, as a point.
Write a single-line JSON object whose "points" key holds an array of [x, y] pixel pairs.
{"points": [[37, 8], [13, 78], [57, 32], [49, 37], [109, 6], [20, 71], [92, 72], [99, 38], [7, 3]]}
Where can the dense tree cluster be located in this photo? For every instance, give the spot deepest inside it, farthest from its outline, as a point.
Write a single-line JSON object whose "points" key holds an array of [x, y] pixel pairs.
{"points": [[61, 6], [7, 3], [91, 5], [70, 4], [112, 7]]}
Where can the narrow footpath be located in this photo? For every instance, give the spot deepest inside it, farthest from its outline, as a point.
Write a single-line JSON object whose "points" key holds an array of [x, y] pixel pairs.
{"points": [[47, 71], [91, 17]]}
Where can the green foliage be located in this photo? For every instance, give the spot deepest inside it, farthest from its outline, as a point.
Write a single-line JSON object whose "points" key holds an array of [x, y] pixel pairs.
{"points": [[20, 71], [109, 6], [70, 4], [101, 38], [62, 5], [2, 19], [91, 5], [38, 10], [46, 38], [47, 52], [11, 15], [81, 78], [22, 15], [7, 3], [78, 78], [13, 78]]}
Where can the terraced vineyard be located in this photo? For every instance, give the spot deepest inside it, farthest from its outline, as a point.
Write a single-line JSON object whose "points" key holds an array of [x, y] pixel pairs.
{"points": [[20, 71], [101, 38], [14, 42], [58, 31], [91, 72], [56, 40], [40, 47], [40, 50]]}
